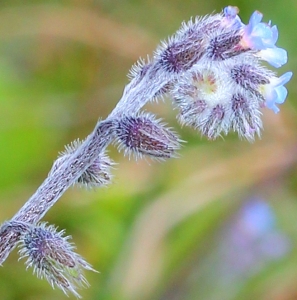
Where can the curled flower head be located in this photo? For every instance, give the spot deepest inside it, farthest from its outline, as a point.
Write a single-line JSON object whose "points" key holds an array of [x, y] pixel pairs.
{"points": [[226, 88], [275, 92], [211, 67], [52, 257]]}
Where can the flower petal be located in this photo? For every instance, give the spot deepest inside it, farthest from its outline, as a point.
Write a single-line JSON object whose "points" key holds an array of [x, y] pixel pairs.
{"points": [[282, 93], [277, 57], [285, 78]]}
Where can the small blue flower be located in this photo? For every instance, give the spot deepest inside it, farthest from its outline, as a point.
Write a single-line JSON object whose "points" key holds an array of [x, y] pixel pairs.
{"points": [[258, 35], [262, 36], [275, 92]]}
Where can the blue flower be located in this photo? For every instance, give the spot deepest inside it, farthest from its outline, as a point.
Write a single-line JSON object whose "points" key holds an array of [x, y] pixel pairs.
{"points": [[258, 35], [275, 92], [262, 36]]}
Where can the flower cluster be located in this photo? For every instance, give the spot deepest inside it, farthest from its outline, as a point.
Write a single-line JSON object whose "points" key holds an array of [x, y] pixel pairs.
{"points": [[212, 70], [220, 84]]}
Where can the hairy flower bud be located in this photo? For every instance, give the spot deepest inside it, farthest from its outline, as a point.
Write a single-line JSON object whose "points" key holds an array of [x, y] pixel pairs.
{"points": [[52, 257], [144, 135], [246, 117], [188, 46], [250, 75], [224, 46], [96, 175]]}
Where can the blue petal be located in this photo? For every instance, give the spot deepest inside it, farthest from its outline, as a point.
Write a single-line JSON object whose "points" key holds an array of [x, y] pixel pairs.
{"points": [[274, 31], [255, 19], [277, 93], [281, 94], [274, 56], [285, 78], [274, 108], [271, 99], [266, 34]]}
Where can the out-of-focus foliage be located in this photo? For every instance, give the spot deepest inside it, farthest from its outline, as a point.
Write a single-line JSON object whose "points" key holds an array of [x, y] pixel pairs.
{"points": [[217, 223]]}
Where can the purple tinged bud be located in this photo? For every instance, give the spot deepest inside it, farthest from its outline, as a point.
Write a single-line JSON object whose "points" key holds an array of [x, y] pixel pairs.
{"points": [[245, 117], [187, 47], [250, 76], [224, 46], [52, 257], [144, 135], [179, 57], [214, 124], [231, 17], [96, 175]]}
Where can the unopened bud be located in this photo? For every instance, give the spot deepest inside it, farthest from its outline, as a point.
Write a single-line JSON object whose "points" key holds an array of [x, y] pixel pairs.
{"points": [[144, 135], [52, 257], [96, 175]]}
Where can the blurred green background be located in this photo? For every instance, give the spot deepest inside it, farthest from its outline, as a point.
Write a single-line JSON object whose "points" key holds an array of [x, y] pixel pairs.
{"points": [[218, 223]]}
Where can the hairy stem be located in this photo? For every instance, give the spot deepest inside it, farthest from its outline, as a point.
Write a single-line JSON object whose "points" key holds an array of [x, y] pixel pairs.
{"points": [[56, 184], [136, 94]]}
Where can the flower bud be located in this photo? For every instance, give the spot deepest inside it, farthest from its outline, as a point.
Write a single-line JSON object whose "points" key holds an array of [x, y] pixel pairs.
{"points": [[96, 175], [144, 135], [250, 75], [224, 46], [246, 117], [188, 46], [52, 257]]}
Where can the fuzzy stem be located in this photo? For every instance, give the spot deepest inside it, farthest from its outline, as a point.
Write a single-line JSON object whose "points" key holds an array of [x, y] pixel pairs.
{"points": [[135, 96], [56, 184], [139, 92]]}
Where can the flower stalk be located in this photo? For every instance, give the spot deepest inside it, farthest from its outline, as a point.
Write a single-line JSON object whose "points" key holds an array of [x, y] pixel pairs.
{"points": [[211, 69]]}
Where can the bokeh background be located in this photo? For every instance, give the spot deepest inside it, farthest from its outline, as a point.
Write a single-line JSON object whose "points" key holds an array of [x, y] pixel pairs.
{"points": [[219, 223]]}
